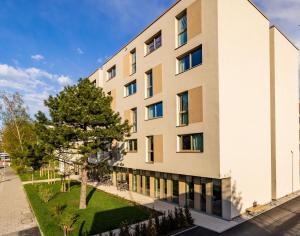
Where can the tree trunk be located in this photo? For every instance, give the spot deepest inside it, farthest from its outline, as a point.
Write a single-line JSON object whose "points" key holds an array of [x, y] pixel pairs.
{"points": [[82, 204]]}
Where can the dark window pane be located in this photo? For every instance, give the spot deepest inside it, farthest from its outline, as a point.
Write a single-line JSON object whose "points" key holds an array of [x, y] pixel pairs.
{"points": [[158, 42], [186, 142], [197, 141], [184, 64], [197, 57], [159, 109]]}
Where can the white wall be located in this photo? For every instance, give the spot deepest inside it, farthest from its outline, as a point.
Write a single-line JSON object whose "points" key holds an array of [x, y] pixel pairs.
{"points": [[244, 96], [286, 110]]}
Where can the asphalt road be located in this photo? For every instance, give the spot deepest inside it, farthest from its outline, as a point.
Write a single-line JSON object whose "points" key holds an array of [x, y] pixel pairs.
{"points": [[283, 220]]}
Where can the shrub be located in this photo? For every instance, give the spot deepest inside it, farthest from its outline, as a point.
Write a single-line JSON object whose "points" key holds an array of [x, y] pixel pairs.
{"points": [[170, 221], [157, 224], [58, 209], [181, 219], [124, 229], [45, 193], [143, 229], [137, 230], [151, 230], [188, 216], [67, 221]]}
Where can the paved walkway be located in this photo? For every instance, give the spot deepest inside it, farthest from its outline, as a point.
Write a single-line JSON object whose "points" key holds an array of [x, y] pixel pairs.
{"points": [[16, 217]]}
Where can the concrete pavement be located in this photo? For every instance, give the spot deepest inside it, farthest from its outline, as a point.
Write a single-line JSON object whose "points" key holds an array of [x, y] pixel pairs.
{"points": [[16, 217]]}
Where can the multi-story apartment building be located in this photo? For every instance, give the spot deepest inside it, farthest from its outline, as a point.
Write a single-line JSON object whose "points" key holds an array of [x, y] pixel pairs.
{"points": [[211, 91]]}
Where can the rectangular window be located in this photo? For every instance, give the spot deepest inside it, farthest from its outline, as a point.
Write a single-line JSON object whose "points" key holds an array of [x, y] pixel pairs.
{"points": [[111, 73], [191, 142], [155, 110], [153, 43], [183, 111], [182, 29], [134, 120], [150, 149], [149, 84], [132, 145], [130, 88], [133, 61], [190, 60]]}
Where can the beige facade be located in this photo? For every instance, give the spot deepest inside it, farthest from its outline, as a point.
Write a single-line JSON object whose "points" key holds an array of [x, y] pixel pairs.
{"points": [[239, 141]]}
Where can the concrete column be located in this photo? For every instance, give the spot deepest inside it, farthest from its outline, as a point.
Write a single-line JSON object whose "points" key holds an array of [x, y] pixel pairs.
{"points": [[144, 185], [138, 184], [114, 178], [169, 189], [209, 194], [152, 187], [197, 194], [226, 198], [182, 191], [130, 182], [162, 189]]}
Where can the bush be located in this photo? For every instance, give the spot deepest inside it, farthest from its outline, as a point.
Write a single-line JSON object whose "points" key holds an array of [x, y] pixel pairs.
{"points": [[58, 209], [124, 229], [181, 219], [143, 229], [188, 216], [151, 229], [45, 193], [137, 230], [67, 221]]}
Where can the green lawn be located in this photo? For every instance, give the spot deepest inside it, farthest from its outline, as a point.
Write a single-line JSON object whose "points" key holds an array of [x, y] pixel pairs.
{"points": [[36, 176], [104, 212]]}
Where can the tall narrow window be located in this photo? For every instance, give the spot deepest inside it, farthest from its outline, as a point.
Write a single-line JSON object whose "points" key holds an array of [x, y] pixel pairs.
{"points": [[191, 142], [182, 29], [150, 149], [149, 84], [183, 108], [134, 120], [111, 73], [133, 61], [190, 60], [130, 88], [155, 110]]}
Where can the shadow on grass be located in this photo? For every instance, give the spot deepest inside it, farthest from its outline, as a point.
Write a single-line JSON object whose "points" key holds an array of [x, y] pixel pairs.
{"points": [[111, 219]]}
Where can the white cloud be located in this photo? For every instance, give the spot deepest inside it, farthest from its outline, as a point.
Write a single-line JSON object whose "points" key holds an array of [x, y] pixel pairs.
{"points": [[37, 57], [64, 80], [79, 51], [33, 83]]}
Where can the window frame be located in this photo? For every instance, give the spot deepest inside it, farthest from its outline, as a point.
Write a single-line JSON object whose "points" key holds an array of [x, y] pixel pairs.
{"points": [[150, 149], [153, 40], [181, 112], [130, 85], [148, 85], [132, 145], [191, 150], [134, 119], [111, 75], [133, 62], [155, 116], [178, 28], [190, 61]]}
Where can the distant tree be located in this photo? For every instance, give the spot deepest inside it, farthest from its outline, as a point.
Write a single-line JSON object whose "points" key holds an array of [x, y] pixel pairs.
{"points": [[18, 130], [81, 124]]}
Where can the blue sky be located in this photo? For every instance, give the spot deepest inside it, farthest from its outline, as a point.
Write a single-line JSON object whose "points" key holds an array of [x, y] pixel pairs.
{"points": [[47, 44]]}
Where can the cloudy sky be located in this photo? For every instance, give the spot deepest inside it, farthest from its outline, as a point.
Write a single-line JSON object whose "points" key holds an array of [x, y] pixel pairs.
{"points": [[45, 45]]}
